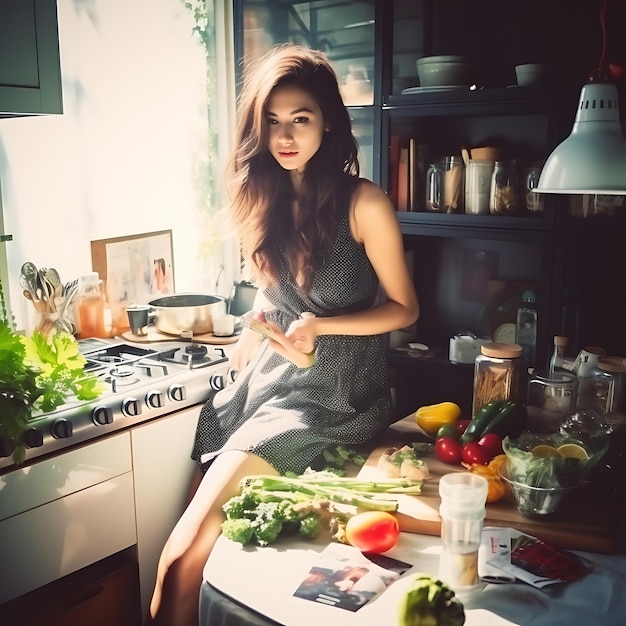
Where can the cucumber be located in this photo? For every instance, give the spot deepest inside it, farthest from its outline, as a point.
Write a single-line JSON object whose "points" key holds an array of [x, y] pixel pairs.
{"points": [[509, 420], [475, 429]]}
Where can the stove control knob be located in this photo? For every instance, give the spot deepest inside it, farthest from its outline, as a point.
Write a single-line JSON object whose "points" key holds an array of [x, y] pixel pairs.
{"points": [[102, 415], [33, 438], [177, 393], [154, 399], [61, 428], [131, 407], [216, 382]]}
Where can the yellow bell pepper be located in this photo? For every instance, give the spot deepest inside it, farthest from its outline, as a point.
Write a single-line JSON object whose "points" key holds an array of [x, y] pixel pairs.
{"points": [[432, 417]]}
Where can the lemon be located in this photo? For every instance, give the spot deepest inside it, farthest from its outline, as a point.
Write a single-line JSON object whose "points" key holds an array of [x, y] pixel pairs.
{"points": [[544, 451], [573, 451]]}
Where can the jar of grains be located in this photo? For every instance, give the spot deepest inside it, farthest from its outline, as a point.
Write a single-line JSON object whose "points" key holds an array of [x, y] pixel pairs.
{"points": [[500, 373]]}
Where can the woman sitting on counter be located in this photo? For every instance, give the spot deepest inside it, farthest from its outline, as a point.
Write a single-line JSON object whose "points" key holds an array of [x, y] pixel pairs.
{"points": [[320, 241]]}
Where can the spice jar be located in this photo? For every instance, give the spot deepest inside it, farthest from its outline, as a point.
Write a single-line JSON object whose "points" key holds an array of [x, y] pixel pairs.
{"points": [[500, 373], [505, 194]]}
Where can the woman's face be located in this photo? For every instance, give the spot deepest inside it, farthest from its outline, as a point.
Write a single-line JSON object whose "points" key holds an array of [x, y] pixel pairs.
{"points": [[296, 127]]}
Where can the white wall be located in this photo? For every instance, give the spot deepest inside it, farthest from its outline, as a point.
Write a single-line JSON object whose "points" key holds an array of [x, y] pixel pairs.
{"points": [[127, 155]]}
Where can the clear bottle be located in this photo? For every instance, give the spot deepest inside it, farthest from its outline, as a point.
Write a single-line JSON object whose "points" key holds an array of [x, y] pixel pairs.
{"points": [[462, 512], [557, 360], [526, 327], [90, 307]]}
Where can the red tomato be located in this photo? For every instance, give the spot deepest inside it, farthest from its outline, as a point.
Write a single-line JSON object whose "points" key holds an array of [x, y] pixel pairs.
{"points": [[461, 426], [493, 443], [373, 531], [448, 450], [473, 452]]}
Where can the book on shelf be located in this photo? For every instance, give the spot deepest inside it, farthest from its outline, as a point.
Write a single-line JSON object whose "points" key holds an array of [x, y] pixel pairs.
{"points": [[406, 173]]}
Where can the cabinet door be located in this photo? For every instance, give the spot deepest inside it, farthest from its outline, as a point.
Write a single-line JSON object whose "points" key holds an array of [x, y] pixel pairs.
{"points": [[30, 72], [163, 471]]}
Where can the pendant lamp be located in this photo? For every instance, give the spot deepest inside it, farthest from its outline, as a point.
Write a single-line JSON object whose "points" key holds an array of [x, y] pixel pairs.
{"points": [[592, 160]]}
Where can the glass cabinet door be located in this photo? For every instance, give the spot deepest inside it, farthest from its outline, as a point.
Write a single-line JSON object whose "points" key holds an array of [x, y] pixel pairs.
{"points": [[343, 30]]}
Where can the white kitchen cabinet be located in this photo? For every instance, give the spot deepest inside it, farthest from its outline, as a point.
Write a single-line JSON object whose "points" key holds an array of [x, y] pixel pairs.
{"points": [[30, 72], [163, 471], [65, 513]]}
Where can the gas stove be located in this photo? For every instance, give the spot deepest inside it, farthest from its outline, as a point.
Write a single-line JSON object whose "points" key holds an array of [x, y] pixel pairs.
{"points": [[142, 381]]}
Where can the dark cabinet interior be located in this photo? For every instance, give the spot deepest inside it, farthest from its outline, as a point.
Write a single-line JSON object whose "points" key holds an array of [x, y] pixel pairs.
{"points": [[103, 594], [470, 270]]}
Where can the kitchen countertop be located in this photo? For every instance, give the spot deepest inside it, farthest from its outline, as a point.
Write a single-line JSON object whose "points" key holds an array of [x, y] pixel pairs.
{"points": [[258, 584], [264, 579]]}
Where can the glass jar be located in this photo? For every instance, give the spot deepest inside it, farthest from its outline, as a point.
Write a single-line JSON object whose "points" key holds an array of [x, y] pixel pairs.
{"points": [[534, 201], [500, 373], [608, 380], [505, 195], [551, 396]]}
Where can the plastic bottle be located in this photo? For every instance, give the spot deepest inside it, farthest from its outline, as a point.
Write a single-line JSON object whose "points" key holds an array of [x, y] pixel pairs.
{"points": [[557, 360], [526, 327], [462, 511], [90, 307]]}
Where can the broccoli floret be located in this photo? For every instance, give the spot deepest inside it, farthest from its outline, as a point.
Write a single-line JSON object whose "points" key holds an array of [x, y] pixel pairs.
{"points": [[240, 530], [310, 525], [266, 531], [241, 506]]}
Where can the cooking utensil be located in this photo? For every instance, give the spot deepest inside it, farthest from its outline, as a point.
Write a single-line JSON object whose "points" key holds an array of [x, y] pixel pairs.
{"points": [[29, 295], [28, 277], [54, 280], [187, 312]]}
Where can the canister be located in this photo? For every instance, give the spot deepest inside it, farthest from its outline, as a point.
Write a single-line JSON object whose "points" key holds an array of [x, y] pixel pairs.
{"points": [[551, 397], [609, 384], [506, 188], [500, 373]]}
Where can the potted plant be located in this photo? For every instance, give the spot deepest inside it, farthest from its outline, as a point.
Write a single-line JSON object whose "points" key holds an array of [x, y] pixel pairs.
{"points": [[38, 373]]}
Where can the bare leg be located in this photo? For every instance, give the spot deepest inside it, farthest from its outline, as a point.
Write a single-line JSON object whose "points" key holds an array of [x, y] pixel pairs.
{"points": [[175, 598]]}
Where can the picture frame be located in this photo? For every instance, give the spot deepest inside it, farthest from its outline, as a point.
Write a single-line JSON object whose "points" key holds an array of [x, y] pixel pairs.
{"points": [[135, 269]]}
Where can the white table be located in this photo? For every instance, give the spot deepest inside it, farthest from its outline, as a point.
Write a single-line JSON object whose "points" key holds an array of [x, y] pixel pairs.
{"points": [[264, 580]]}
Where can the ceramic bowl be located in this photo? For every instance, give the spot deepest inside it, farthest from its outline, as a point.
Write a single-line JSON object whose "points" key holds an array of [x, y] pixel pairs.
{"points": [[444, 71]]}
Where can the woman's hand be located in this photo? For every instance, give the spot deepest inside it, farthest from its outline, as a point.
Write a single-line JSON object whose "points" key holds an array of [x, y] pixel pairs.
{"points": [[296, 346], [303, 332]]}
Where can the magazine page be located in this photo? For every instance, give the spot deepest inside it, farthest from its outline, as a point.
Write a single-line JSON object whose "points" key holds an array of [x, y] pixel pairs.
{"points": [[347, 578], [540, 563]]}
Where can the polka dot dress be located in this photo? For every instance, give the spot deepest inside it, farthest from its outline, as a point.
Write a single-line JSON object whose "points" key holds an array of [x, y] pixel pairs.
{"points": [[288, 415]]}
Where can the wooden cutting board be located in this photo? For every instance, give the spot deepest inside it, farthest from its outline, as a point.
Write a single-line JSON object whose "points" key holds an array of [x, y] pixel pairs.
{"points": [[154, 336], [583, 525]]}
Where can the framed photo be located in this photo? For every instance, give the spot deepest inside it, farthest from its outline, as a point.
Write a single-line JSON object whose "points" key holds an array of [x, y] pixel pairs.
{"points": [[135, 269]]}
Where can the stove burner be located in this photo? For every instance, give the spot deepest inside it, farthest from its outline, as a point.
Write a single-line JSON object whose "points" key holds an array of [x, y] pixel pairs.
{"points": [[122, 376], [195, 352], [121, 372]]}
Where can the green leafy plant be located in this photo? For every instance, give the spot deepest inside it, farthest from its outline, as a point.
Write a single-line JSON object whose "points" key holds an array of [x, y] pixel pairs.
{"points": [[37, 375]]}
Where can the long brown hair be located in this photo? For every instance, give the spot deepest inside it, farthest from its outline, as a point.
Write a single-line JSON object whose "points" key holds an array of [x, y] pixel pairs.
{"points": [[261, 190]]}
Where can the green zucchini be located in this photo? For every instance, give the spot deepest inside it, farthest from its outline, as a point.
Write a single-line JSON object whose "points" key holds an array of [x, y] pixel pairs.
{"points": [[475, 429], [510, 419]]}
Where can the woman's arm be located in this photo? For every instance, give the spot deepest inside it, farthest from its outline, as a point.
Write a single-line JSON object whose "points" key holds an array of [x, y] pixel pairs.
{"points": [[373, 223], [249, 341]]}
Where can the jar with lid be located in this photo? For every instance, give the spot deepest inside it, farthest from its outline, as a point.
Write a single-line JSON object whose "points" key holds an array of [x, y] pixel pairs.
{"points": [[500, 373], [505, 194], [609, 384], [551, 397]]}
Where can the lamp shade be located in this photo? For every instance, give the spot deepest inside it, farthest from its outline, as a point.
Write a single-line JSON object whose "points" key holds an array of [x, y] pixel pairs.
{"points": [[592, 160]]}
